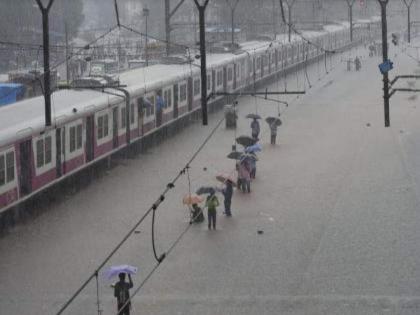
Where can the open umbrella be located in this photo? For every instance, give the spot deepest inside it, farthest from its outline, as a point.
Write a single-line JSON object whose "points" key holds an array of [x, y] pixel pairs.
{"points": [[249, 156], [225, 177], [246, 141], [191, 199], [205, 190], [116, 270], [276, 120], [253, 148], [253, 116], [234, 155]]}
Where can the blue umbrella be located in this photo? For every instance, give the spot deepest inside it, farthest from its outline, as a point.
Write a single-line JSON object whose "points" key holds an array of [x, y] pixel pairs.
{"points": [[253, 148], [116, 270]]}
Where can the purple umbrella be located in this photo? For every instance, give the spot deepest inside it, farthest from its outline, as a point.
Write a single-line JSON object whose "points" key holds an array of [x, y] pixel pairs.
{"points": [[116, 270]]}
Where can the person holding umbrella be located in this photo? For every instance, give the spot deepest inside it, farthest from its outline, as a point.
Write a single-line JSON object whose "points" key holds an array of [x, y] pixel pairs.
{"points": [[273, 123], [255, 127], [122, 293], [212, 203]]}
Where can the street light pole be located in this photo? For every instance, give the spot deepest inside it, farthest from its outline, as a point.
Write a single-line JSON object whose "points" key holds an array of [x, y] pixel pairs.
{"points": [[46, 48], [201, 12], [146, 12]]}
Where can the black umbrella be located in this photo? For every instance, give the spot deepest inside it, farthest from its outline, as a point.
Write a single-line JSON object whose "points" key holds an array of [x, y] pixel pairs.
{"points": [[205, 190], [275, 120], [246, 141], [253, 116], [235, 155]]}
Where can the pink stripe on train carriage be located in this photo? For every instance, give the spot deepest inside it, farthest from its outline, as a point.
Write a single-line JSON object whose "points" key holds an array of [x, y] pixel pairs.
{"points": [[8, 197]]}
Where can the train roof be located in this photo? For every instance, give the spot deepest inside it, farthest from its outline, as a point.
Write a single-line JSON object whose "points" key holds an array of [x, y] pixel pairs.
{"points": [[28, 116]]}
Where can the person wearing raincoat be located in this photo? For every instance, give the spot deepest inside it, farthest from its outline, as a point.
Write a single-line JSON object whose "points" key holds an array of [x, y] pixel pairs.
{"points": [[228, 193], [212, 203], [255, 127], [273, 131]]}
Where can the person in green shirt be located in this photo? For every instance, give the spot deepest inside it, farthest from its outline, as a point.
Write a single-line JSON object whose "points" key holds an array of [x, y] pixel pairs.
{"points": [[212, 203]]}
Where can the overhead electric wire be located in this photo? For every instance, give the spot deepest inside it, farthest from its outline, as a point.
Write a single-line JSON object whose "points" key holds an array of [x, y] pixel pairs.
{"points": [[155, 205]]}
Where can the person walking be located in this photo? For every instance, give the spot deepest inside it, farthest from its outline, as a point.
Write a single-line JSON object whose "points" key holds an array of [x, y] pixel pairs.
{"points": [[273, 131], [212, 203], [255, 127], [122, 293], [228, 193]]}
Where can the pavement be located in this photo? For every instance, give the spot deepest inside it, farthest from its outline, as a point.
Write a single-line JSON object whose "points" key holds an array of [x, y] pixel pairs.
{"points": [[337, 200]]}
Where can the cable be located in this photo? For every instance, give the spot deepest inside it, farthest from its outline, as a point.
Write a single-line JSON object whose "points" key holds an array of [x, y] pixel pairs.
{"points": [[152, 208]]}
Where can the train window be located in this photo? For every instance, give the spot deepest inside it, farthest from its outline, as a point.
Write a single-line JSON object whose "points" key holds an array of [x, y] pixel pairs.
{"points": [[75, 137], [72, 139], [197, 87], [79, 136], [10, 166], [219, 78], [102, 126], [230, 74], [167, 96], [2, 171], [48, 148], [183, 92], [40, 153], [208, 82]]}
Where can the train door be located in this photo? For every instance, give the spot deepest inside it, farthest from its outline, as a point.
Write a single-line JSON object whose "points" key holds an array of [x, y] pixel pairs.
{"points": [[176, 90], [25, 178], [59, 151], [115, 127], [90, 127], [190, 93]]}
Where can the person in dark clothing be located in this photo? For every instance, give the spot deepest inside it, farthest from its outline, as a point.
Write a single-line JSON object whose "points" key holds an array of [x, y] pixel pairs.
{"points": [[228, 193], [197, 214], [212, 203], [122, 293], [255, 127], [273, 129]]}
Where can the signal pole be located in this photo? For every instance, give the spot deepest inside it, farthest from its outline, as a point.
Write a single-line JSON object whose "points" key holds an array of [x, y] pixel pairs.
{"points": [[202, 15], [383, 4], [46, 45]]}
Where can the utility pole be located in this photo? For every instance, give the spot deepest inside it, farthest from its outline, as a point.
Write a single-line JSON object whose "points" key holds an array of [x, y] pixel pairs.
{"points": [[408, 4], [350, 5], [289, 4], [232, 4], [202, 15], [168, 15], [66, 31], [146, 49], [383, 4], [46, 45]]}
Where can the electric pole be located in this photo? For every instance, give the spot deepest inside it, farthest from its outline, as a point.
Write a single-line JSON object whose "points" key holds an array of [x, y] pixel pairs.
{"points": [[146, 49], [350, 5], [168, 15], [66, 31], [408, 4], [202, 15], [232, 4], [383, 4], [46, 45]]}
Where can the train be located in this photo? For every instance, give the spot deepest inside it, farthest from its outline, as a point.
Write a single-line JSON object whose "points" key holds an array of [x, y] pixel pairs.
{"points": [[92, 124]]}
